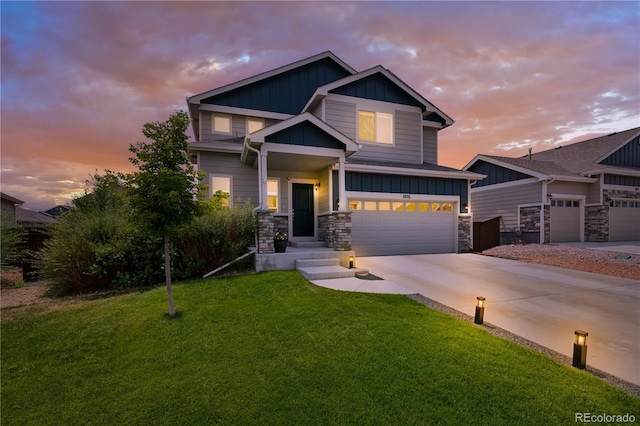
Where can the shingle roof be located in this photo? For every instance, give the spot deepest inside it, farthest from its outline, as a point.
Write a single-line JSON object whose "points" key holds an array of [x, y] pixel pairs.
{"points": [[573, 160], [544, 167], [423, 166], [582, 156]]}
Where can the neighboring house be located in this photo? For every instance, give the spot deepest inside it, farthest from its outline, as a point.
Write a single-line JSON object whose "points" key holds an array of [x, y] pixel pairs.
{"points": [[331, 154], [9, 205], [586, 191], [33, 219]]}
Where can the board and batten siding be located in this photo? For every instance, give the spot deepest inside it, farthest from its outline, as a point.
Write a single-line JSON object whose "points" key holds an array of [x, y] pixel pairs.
{"points": [[504, 202], [430, 145], [244, 178]]}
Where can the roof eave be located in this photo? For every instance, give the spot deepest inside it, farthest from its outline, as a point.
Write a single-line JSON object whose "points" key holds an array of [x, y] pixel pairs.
{"points": [[459, 174]]}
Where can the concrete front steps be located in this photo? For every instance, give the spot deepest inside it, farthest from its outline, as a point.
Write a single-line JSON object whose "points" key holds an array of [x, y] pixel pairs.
{"points": [[307, 243], [323, 269]]}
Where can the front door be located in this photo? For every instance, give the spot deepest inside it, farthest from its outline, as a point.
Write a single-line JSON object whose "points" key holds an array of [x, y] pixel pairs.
{"points": [[302, 198]]}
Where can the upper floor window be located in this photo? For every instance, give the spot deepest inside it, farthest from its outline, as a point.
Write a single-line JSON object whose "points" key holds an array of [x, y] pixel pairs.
{"points": [[375, 127], [254, 124], [221, 123]]}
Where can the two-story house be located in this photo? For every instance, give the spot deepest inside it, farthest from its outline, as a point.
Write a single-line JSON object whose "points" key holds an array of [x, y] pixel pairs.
{"points": [[331, 154], [585, 191]]}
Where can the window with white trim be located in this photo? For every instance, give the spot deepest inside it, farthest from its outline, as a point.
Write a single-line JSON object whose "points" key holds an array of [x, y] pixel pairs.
{"points": [[254, 124], [221, 123], [273, 194], [375, 127], [220, 187]]}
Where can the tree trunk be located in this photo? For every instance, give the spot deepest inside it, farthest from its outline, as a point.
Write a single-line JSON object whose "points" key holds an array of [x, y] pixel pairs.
{"points": [[167, 274]]}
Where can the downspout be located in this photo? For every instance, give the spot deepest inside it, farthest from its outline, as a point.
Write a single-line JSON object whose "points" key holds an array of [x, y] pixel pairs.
{"points": [[259, 206]]}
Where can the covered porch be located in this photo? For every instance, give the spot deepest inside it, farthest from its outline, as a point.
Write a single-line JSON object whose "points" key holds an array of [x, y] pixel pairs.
{"points": [[296, 187]]}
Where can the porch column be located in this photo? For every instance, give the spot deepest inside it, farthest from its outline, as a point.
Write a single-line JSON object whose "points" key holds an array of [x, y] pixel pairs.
{"points": [[342, 191], [262, 173]]}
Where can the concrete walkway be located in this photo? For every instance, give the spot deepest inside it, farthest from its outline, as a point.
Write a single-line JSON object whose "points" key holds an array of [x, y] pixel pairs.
{"points": [[544, 304]]}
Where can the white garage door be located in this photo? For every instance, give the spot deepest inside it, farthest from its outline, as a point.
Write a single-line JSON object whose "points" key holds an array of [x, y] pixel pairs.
{"points": [[380, 227], [565, 221], [624, 221]]}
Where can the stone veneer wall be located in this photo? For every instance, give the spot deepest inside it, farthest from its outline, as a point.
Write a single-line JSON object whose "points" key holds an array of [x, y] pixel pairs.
{"points": [[465, 242], [342, 231], [530, 219], [335, 230], [596, 223], [326, 225], [281, 223], [547, 223], [266, 229]]}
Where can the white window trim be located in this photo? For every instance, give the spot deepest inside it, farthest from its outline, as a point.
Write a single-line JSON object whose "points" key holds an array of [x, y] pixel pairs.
{"points": [[261, 120], [230, 177], [220, 115], [279, 196], [376, 111]]}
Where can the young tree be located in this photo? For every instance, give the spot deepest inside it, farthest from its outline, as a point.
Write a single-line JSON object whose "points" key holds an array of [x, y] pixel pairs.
{"points": [[164, 189]]}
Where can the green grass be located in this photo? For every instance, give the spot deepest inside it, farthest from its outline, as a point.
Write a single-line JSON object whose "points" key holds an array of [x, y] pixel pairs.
{"points": [[273, 349]]}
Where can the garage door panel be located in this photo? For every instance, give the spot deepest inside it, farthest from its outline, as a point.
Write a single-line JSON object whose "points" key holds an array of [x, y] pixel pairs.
{"points": [[405, 232], [565, 221], [624, 223]]}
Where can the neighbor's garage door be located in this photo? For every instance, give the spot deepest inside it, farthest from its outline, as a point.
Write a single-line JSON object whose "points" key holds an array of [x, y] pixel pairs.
{"points": [[565, 221], [624, 221], [381, 228]]}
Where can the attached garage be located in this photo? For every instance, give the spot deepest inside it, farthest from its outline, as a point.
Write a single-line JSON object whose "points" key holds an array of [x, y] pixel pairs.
{"points": [[391, 227], [624, 221], [565, 221]]}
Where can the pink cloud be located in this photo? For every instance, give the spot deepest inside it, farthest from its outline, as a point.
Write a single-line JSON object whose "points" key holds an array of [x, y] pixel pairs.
{"points": [[79, 79]]}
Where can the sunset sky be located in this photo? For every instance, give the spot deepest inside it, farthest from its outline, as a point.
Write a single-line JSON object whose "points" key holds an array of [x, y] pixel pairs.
{"points": [[80, 79]]}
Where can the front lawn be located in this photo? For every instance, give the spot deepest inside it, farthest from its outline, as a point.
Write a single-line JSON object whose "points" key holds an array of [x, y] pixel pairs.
{"points": [[274, 349]]}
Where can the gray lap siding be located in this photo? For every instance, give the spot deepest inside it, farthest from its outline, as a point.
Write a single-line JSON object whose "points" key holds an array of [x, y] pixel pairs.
{"points": [[244, 178], [504, 202], [407, 147]]}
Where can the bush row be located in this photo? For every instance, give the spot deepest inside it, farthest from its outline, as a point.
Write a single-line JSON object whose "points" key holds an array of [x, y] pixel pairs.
{"points": [[96, 246]]}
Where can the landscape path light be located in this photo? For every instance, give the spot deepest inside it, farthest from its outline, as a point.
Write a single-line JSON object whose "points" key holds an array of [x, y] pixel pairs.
{"points": [[580, 349], [479, 310], [352, 261]]}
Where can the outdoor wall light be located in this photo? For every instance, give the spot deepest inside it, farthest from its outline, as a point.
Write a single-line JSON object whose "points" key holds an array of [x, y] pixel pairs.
{"points": [[580, 349], [352, 262], [479, 310], [317, 185]]}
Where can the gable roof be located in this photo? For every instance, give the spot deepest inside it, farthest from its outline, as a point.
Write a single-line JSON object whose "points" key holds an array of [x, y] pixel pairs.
{"points": [[196, 99], [427, 107], [261, 136], [584, 157], [574, 162]]}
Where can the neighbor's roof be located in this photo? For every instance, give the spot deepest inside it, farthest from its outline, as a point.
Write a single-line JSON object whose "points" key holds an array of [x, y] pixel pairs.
{"points": [[572, 161], [30, 216], [582, 157]]}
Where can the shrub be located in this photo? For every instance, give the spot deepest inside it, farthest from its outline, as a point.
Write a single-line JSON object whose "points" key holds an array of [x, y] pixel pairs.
{"points": [[219, 236]]}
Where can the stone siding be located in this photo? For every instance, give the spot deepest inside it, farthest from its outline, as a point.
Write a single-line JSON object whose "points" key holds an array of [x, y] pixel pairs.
{"points": [[281, 223], [266, 229], [547, 223], [335, 230], [596, 226], [465, 242], [530, 219], [342, 231]]}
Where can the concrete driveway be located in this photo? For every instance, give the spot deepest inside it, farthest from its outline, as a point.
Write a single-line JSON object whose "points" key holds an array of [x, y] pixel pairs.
{"points": [[544, 304]]}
